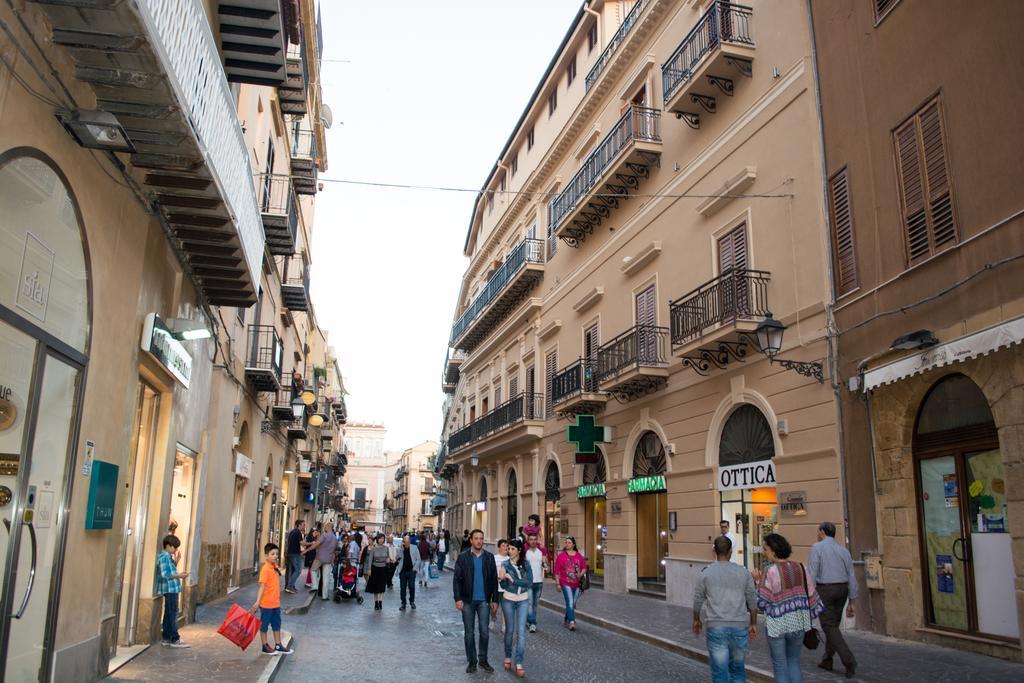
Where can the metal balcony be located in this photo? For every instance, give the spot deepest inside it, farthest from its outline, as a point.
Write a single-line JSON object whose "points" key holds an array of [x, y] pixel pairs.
{"points": [[440, 500], [700, 68], [634, 363], [505, 289], [280, 211], [296, 429], [400, 473], [451, 370], [304, 159], [622, 159], [281, 408], [292, 93], [263, 358], [295, 286], [253, 36], [517, 421], [718, 315], [154, 65], [575, 390], [616, 40]]}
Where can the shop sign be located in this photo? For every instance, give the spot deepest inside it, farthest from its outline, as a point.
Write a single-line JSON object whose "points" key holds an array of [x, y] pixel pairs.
{"points": [[873, 571], [36, 277], [616, 508], [481, 506], [243, 466], [792, 503], [590, 491], [158, 342], [586, 434], [750, 475], [647, 484], [99, 511]]}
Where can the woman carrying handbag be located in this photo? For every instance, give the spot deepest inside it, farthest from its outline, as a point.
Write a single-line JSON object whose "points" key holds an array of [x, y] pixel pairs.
{"points": [[787, 596]]}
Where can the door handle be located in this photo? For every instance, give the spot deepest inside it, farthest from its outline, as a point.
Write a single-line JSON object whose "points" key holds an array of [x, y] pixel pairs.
{"points": [[962, 547], [31, 573]]}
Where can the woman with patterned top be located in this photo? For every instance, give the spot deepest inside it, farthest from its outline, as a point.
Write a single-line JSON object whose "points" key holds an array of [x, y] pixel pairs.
{"points": [[787, 596], [570, 566]]}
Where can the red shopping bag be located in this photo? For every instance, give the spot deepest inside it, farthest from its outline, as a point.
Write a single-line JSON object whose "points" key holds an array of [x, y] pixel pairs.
{"points": [[239, 626]]}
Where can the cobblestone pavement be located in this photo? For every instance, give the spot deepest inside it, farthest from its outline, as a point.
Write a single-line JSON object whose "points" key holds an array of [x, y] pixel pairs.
{"points": [[352, 642], [879, 658]]}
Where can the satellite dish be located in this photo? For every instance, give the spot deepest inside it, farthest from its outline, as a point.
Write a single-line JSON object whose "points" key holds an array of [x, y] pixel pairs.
{"points": [[326, 116]]}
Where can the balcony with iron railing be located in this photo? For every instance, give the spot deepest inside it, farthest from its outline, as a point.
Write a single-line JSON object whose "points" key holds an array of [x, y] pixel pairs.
{"points": [[505, 289], [296, 428], [615, 168], [516, 422], [280, 212], [719, 46], [724, 308], [401, 472], [295, 285], [263, 358], [440, 500], [613, 44], [292, 93], [575, 390], [453, 362], [303, 158], [634, 363]]}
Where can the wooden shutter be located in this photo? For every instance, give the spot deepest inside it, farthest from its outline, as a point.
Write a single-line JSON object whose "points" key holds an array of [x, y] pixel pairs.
{"points": [[497, 395], [925, 193], [513, 387], [591, 340], [645, 307], [732, 249], [530, 380], [550, 368], [844, 249]]}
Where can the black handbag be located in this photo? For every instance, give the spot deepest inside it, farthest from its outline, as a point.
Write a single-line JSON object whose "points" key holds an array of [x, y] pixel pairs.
{"points": [[812, 639], [585, 581]]}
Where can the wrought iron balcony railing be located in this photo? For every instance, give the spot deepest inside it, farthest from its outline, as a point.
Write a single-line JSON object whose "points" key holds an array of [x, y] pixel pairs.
{"points": [[637, 124], [733, 295], [613, 45], [292, 93], [578, 378], [295, 286], [280, 212], [722, 22], [511, 412], [641, 346], [264, 356], [303, 144], [528, 251]]}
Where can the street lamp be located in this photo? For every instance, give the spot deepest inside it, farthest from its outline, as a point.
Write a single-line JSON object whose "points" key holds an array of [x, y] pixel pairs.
{"points": [[298, 408], [768, 337], [474, 459]]}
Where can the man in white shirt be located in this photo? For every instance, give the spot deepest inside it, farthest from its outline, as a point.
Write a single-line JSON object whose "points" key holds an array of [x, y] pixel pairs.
{"points": [[534, 558], [724, 525]]}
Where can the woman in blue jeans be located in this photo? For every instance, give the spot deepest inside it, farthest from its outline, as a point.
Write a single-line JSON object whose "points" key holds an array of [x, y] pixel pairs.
{"points": [[516, 580], [786, 595], [570, 566]]}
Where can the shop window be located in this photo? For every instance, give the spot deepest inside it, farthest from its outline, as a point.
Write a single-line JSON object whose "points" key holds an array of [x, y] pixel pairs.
{"points": [[649, 459], [747, 437], [512, 505], [552, 509], [953, 403]]}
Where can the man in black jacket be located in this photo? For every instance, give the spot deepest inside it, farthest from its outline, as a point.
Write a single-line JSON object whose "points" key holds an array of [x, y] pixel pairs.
{"points": [[476, 589]]}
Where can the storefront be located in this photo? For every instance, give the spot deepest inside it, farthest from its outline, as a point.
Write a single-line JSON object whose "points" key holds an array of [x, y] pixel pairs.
{"points": [[552, 509], [746, 482], [592, 496], [650, 489], [512, 506], [44, 339], [480, 507]]}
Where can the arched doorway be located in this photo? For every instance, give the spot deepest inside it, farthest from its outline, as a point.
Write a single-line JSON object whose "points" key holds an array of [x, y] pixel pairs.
{"points": [[512, 505], [552, 508], [965, 539], [44, 337], [592, 495], [748, 502], [480, 507], [649, 485]]}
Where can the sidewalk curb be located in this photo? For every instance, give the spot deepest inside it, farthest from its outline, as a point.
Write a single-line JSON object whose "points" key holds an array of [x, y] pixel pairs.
{"points": [[303, 608], [270, 670], [753, 673]]}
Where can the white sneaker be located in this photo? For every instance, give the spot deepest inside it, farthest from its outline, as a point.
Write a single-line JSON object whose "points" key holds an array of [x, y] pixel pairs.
{"points": [[180, 644], [533, 628]]}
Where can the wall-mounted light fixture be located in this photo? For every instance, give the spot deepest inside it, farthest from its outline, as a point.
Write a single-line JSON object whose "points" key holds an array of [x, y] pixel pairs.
{"points": [[768, 339], [95, 129], [298, 408]]}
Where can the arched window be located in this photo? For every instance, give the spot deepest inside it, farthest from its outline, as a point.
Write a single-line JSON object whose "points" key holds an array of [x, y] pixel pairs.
{"points": [[649, 457], [955, 402], [552, 483], [595, 473], [746, 437], [512, 504]]}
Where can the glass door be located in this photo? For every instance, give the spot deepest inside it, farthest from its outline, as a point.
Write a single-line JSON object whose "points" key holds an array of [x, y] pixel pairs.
{"points": [[597, 533], [944, 542]]}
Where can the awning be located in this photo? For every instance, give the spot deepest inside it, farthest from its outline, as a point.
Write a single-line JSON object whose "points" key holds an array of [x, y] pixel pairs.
{"points": [[956, 351]]}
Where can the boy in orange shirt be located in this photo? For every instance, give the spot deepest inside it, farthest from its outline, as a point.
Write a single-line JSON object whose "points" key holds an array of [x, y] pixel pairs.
{"points": [[269, 601]]}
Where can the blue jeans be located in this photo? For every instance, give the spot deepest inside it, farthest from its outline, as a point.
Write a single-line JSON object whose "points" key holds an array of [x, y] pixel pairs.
{"points": [[270, 619], [570, 595], [515, 619], [727, 648], [292, 570], [440, 561], [785, 651], [169, 630], [535, 590], [476, 613]]}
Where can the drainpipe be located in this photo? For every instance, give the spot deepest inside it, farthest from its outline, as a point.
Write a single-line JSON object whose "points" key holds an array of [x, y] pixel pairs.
{"points": [[597, 19]]}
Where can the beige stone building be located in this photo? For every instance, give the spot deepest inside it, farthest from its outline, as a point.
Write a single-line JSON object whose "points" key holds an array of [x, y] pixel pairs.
{"points": [[413, 490], [370, 476], [658, 200], [156, 186]]}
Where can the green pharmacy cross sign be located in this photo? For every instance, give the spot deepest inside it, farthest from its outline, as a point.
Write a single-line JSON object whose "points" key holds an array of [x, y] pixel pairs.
{"points": [[586, 434]]}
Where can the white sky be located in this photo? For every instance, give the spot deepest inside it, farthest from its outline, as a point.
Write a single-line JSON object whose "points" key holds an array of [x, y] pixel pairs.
{"points": [[429, 97]]}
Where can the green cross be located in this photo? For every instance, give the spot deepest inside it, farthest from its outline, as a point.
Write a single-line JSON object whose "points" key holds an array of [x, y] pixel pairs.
{"points": [[586, 434]]}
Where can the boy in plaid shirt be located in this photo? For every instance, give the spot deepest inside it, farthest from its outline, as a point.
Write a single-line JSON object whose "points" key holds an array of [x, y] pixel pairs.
{"points": [[169, 585]]}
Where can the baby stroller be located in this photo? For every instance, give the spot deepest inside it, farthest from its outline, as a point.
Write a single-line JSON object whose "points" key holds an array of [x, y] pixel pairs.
{"points": [[347, 587]]}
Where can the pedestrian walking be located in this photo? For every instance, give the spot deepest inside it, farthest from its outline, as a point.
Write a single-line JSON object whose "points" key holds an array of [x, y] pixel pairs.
{"points": [[323, 562], [723, 526], [355, 548], [169, 586], [310, 554], [831, 568], [442, 549], [725, 593], [538, 567], [475, 587], [570, 565], [268, 601], [787, 596], [393, 544], [500, 557], [515, 581], [533, 527], [423, 560], [293, 555], [464, 546], [407, 574], [377, 567]]}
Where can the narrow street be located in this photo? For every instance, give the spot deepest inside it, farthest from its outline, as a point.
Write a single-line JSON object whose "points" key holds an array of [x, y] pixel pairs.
{"points": [[349, 641]]}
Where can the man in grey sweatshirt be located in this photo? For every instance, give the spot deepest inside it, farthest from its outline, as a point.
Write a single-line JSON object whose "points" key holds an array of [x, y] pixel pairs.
{"points": [[725, 592]]}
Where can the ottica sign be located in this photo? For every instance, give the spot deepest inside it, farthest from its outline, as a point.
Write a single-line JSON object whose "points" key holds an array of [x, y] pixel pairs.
{"points": [[750, 475]]}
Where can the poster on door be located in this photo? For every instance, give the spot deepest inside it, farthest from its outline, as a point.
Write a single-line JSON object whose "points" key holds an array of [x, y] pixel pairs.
{"points": [[944, 573], [949, 490]]}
